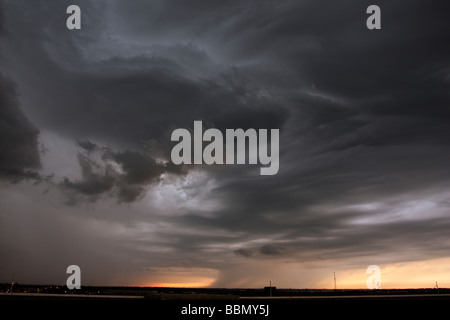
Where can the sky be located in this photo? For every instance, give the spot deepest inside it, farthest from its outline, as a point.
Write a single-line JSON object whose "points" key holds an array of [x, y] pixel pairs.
{"points": [[86, 176]]}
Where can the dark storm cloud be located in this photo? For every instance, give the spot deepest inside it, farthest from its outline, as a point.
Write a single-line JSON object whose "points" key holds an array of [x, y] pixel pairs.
{"points": [[91, 184], [363, 117], [139, 106], [19, 153], [88, 146], [124, 175], [270, 250], [134, 99], [243, 253], [19, 144], [371, 124], [130, 102]]}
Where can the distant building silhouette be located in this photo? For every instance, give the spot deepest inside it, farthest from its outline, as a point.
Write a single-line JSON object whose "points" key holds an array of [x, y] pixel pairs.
{"points": [[270, 291]]}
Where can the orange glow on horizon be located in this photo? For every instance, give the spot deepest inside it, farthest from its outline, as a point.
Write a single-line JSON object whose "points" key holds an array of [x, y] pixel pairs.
{"points": [[317, 275], [180, 285], [401, 275], [182, 277]]}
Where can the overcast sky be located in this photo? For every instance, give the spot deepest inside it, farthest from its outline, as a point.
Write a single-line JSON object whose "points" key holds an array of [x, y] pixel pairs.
{"points": [[86, 118]]}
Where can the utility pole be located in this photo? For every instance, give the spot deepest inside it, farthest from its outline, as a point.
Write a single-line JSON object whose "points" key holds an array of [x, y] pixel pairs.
{"points": [[12, 283], [334, 280]]}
